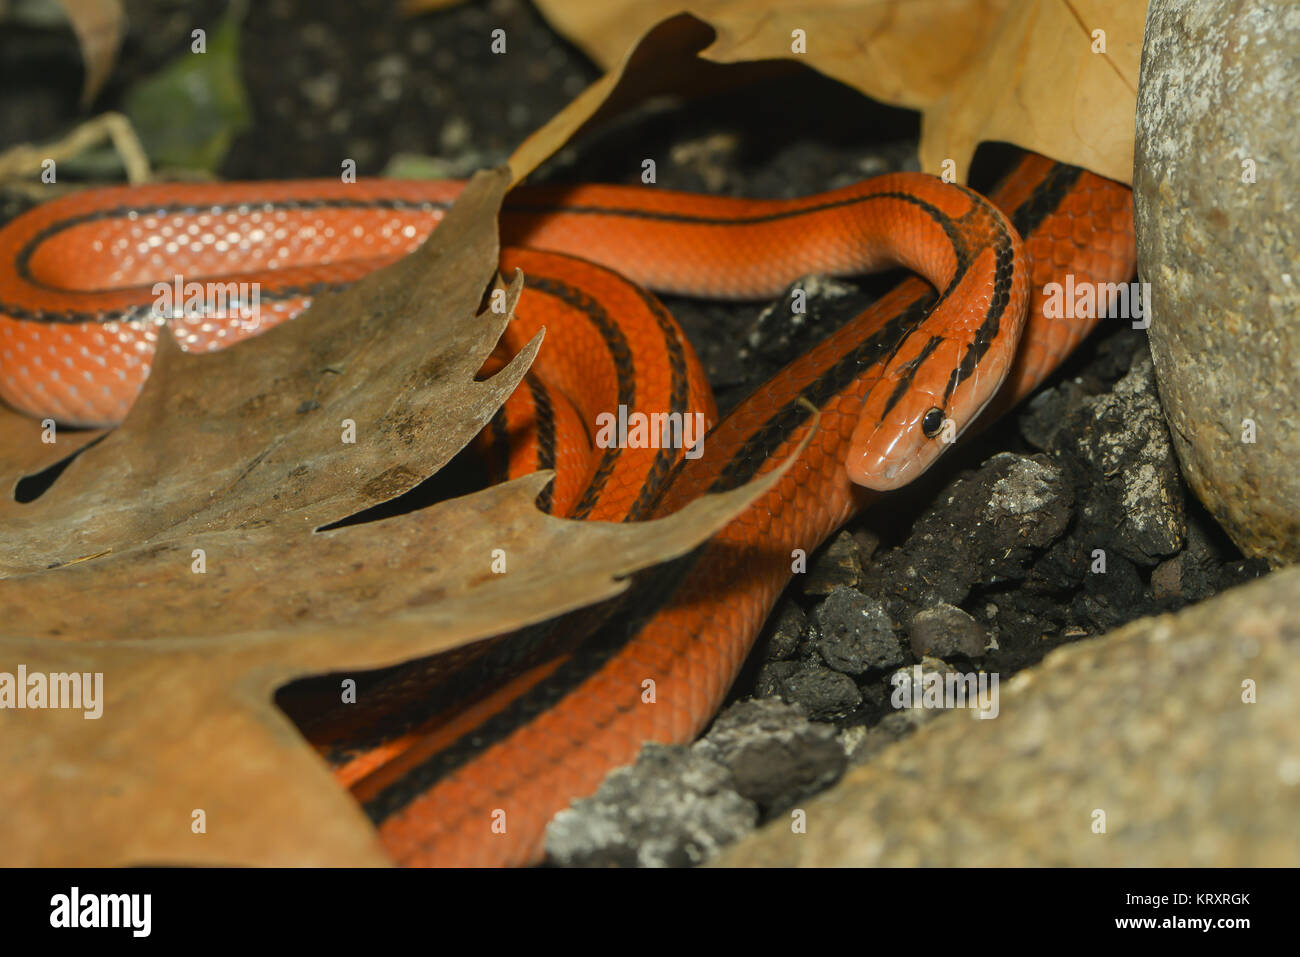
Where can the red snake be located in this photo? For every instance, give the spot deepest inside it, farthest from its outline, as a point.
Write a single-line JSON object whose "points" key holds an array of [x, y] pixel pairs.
{"points": [[463, 759]]}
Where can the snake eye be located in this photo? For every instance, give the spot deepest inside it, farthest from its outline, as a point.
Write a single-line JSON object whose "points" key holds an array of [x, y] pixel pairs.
{"points": [[932, 422]]}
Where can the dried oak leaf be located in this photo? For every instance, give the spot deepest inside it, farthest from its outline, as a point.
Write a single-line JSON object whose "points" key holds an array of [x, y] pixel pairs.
{"points": [[239, 454], [1032, 74]]}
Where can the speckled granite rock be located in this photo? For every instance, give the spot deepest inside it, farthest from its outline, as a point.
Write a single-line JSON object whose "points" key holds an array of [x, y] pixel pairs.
{"points": [[1147, 725], [1217, 212]]}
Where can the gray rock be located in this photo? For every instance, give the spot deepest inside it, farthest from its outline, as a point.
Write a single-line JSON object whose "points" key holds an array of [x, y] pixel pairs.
{"points": [[1216, 109], [822, 693], [785, 632], [987, 528], [862, 743], [840, 563], [855, 633], [772, 676], [1177, 733], [780, 330], [945, 631], [675, 807], [1134, 487], [776, 756]]}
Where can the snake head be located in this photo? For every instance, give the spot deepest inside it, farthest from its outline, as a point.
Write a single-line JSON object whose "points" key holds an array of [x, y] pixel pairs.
{"points": [[906, 422], [949, 366], [928, 394]]}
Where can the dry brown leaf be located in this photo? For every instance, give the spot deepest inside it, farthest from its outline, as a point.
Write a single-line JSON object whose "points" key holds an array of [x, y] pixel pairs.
{"points": [[99, 25], [189, 723], [664, 60], [23, 453], [223, 438], [1023, 73], [239, 453]]}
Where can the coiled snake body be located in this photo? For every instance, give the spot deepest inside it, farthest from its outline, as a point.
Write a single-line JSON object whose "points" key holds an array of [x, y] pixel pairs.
{"points": [[439, 765]]}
